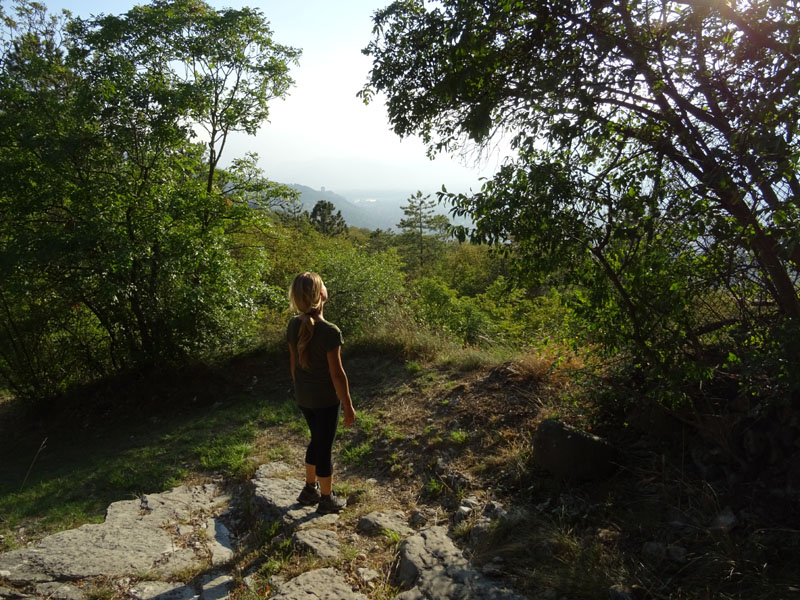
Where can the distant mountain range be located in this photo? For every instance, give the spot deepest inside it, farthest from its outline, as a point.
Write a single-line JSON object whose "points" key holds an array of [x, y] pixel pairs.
{"points": [[371, 209]]}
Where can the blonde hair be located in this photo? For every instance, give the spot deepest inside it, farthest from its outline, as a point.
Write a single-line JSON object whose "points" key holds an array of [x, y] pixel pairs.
{"points": [[305, 297]]}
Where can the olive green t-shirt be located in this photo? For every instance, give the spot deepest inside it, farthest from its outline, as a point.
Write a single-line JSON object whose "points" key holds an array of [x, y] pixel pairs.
{"points": [[313, 387]]}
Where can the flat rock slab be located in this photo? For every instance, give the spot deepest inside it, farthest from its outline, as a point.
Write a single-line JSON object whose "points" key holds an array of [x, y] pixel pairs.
{"points": [[59, 591], [160, 590], [275, 497], [137, 535], [320, 584], [391, 520], [216, 587], [320, 542], [435, 569], [12, 594], [220, 542]]}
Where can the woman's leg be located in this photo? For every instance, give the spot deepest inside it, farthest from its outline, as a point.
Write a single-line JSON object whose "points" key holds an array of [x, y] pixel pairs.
{"points": [[311, 464], [311, 474], [326, 420]]}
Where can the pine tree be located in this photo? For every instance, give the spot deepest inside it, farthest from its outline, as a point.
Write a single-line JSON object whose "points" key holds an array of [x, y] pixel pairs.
{"points": [[325, 221], [422, 228]]}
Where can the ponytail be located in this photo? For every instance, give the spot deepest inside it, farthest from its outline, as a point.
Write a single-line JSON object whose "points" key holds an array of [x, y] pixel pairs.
{"points": [[305, 296], [303, 340]]}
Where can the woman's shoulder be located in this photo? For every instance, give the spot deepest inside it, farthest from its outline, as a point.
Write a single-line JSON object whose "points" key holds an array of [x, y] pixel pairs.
{"points": [[330, 325], [293, 323]]}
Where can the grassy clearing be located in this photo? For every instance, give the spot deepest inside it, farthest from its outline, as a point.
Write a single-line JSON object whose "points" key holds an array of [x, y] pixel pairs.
{"points": [[70, 478]]}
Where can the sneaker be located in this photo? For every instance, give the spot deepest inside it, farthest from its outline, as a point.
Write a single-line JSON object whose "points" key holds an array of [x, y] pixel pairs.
{"points": [[331, 504], [310, 495]]}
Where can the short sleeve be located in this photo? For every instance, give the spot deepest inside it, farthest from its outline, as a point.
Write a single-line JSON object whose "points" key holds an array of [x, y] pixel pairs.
{"points": [[291, 331], [333, 338]]}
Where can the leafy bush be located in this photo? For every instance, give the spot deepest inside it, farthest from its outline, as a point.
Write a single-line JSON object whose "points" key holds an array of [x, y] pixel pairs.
{"points": [[502, 314], [364, 288]]}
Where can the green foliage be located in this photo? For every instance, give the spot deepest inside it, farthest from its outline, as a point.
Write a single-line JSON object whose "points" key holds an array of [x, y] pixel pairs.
{"points": [[363, 287], [356, 454], [413, 367], [227, 453], [458, 436], [503, 314], [365, 422], [122, 243], [325, 221], [392, 536], [422, 232], [434, 486], [651, 172], [469, 268], [82, 470]]}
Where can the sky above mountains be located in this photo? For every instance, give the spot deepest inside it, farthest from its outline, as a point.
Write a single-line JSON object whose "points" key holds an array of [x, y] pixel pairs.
{"points": [[323, 134]]}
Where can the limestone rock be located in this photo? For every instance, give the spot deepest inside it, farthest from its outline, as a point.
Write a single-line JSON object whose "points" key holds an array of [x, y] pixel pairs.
{"points": [[220, 544], [470, 502], [567, 452], [495, 510], [160, 590], [216, 587], [367, 576], [318, 522], [275, 497], [59, 591], [375, 522], [461, 514], [434, 568], [134, 537], [320, 584], [12, 594], [418, 518], [320, 542]]}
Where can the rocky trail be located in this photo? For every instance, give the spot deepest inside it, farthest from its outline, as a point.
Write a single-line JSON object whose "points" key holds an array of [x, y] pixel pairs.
{"points": [[180, 545]]}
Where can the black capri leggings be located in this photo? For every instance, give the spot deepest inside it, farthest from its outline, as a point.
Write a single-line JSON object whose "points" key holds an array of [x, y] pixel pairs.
{"points": [[322, 422]]}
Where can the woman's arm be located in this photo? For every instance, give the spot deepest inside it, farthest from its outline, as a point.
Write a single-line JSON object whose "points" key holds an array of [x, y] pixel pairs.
{"points": [[291, 361], [341, 385]]}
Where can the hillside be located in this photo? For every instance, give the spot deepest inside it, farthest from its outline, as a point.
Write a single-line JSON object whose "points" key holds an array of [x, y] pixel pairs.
{"points": [[427, 436], [370, 209]]}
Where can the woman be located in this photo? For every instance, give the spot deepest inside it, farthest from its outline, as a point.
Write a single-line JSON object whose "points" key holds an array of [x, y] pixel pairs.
{"points": [[320, 386]]}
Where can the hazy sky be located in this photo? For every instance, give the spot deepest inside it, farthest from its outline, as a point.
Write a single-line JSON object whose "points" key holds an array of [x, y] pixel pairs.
{"points": [[322, 134]]}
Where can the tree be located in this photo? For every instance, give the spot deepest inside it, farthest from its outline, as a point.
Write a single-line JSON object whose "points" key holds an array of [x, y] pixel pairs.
{"points": [[114, 251], [421, 226], [325, 221], [656, 145], [222, 65]]}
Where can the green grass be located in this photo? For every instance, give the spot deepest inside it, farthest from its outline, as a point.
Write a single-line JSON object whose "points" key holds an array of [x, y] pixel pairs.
{"points": [[413, 367], [80, 472], [353, 454], [391, 433], [458, 436], [392, 536], [366, 422], [434, 486]]}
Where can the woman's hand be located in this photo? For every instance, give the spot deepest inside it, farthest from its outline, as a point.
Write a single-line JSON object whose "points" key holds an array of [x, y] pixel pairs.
{"points": [[349, 415]]}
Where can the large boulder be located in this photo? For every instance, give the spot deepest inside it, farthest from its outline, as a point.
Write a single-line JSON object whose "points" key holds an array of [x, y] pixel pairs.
{"points": [[567, 452]]}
